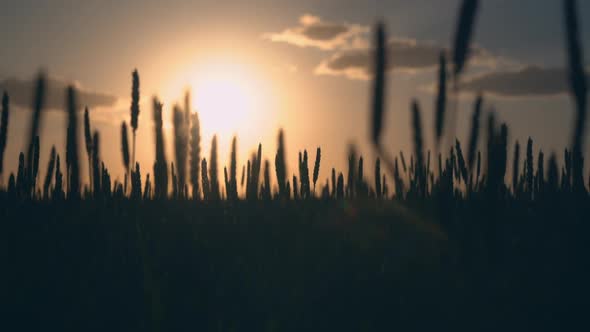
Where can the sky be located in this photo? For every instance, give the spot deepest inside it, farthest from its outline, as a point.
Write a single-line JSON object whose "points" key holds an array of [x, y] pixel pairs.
{"points": [[253, 67]]}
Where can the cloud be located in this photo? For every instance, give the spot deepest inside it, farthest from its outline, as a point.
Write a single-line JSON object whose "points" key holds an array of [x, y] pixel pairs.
{"points": [[528, 81], [313, 32], [21, 92], [404, 55]]}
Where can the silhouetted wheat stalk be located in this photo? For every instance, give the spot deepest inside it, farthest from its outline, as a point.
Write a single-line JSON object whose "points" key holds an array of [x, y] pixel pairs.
{"points": [[281, 167], [58, 191], [418, 147], [578, 87], [213, 180], [316, 167], [38, 103], [351, 177], [205, 180], [267, 192], [134, 109], [96, 170], [49, 173], [441, 100], [72, 145], [232, 191], [35, 166], [125, 152], [160, 165], [379, 88], [474, 135], [461, 50], [378, 189], [515, 168], [180, 147], [379, 82], [529, 168], [195, 154], [4, 117], [88, 143]]}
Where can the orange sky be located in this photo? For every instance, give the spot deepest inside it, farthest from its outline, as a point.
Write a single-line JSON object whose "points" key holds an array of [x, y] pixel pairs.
{"points": [[299, 65]]}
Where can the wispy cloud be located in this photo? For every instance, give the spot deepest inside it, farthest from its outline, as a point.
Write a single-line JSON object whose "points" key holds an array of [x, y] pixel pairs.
{"points": [[21, 92], [528, 81], [404, 55], [312, 31]]}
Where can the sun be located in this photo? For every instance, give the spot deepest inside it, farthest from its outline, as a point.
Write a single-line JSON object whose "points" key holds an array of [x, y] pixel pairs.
{"points": [[224, 100], [229, 97]]}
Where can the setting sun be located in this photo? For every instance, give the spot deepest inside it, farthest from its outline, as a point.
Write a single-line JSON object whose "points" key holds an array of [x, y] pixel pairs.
{"points": [[224, 101], [230, 98]]}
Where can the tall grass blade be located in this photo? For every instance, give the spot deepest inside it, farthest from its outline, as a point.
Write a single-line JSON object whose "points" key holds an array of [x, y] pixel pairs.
{"points": [[379, 82]]}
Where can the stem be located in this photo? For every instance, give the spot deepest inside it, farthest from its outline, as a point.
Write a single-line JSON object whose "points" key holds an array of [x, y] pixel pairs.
{"points": [[453, 112], [133, 151], [389, 164], [91, 183]]}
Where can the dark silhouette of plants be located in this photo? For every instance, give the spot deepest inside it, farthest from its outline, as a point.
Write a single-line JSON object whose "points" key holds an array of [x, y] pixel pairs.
{"points": [[253, 175], [248, 181], [160, 164], [441, 99], [72, 145], [174, 178], [379, 83], [4, 117], [281, 167], [463, 35], [515, 169], [242, 178], [213, 180], [461, 49], [96, 165], [267, 191], [340, 187], [540, 176], [88, 142], [38, 102], [58, 190], [195, 155], [105, 182], [333, 182], [351, 177], [295, 188], [418, 149], [578, 87], [461, 163], [134, 108], [360, 180], [205, 180], [316, 166], [125, 152], [378, 187], [35, 167], [529, 168], [20, 175], [401, 155], [49, 173], [147, 189], [305, 186], [232, 181], [136, 183], [181, 127], [474, 135]]}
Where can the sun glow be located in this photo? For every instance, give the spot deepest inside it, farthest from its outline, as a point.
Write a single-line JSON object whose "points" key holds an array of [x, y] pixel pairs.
{"points": [[229, 98], [224, 101]]}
